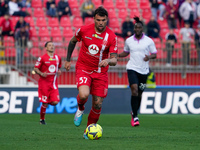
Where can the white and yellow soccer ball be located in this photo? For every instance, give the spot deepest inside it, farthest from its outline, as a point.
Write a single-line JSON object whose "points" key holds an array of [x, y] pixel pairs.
{"points": [[94, 131]]}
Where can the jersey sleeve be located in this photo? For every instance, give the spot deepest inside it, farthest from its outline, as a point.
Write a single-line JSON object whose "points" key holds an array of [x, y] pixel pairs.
{"points": [[78, 34], [152, 47], [38, 62], [113, 47], [126, 47]]}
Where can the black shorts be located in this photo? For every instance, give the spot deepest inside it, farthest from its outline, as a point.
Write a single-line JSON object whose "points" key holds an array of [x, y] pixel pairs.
{"points": [[137, 78]]}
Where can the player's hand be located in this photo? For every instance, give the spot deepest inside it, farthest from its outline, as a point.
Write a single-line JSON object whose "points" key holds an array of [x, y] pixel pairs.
{"points": [[67, 65], [146, 58], [59, 72], [104, 63], [44, 74]]}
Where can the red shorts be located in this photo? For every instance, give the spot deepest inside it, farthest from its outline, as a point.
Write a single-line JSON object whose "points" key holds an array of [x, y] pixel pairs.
{"points": [[48, 95], [98, 82]]}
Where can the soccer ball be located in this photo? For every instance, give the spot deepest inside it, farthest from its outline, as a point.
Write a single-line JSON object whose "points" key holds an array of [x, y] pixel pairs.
{"points": [[94, 131]]}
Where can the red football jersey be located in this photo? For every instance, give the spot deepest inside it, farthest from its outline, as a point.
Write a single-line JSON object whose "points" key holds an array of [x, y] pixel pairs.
{"points": [[95, 47], [50, 65]]}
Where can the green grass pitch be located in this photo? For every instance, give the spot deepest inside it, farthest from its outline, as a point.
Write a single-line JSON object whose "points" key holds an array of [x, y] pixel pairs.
{"points": [[156, 132]]}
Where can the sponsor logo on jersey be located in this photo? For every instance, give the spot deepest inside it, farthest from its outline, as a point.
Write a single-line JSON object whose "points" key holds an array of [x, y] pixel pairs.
{"points": [[52, 68], [88, 38], [51, 59], [98, 37], [93, 49]]}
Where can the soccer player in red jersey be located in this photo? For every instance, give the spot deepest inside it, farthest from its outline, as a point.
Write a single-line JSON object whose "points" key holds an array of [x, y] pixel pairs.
{"points": [[98, 41], [48, 67]]}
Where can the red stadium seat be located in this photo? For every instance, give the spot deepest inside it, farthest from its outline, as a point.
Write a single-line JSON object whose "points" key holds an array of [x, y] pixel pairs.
{"points": [[57, 39], [34, 39], [68, 32], [97, 3], [55, 32], [76, 12], [8, 38], [36, 3], [89, 20], [46, 38], [111, 13], [146, 14], [132, 4], [65, 22], [53, 22], [144, 4], [120, 4], [161, 54], [34, 32], [44, 3], [134, 12], [73, 3], [36, 52], [8, 44], [163, 33], [28, 10], [10, 52], [43, 32], [108, 4], [122, 13], [114, 23], [14, 20], [61, 52], [77, 22], [30, 21], [38, 12], [163, 23], [41, 22]]}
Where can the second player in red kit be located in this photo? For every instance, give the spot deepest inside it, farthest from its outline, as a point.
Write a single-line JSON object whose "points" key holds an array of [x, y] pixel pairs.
{"points": [[48, 67], [98, 51]]}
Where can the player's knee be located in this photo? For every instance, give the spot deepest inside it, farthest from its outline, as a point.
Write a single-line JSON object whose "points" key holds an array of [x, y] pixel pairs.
{"points": [[97, 106], [83, 96]]}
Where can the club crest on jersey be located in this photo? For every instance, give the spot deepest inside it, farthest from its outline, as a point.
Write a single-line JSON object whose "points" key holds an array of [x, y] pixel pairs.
{"points": [[93, 49], [96, 36], [52, 68]]}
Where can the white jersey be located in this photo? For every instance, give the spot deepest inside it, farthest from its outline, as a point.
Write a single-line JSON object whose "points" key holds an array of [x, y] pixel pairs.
{"points": [[138, 49]]}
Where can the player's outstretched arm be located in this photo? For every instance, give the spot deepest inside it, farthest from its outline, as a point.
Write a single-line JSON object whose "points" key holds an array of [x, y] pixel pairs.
{"points": [[123, 54], [148, 57], [71, 47]]}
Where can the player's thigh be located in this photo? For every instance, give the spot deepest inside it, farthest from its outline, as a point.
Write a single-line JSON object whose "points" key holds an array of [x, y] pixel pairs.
{"points": [[133, 81], [54, 96], [99, 85], [43, 95], [142, 82], [83, 81]]}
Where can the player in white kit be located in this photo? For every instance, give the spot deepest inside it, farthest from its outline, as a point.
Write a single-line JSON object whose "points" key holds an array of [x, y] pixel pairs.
{"points": [[141, 49]]}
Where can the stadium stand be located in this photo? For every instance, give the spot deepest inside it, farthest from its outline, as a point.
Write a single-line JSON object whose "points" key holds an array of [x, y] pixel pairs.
{"points": [[45, 28]]}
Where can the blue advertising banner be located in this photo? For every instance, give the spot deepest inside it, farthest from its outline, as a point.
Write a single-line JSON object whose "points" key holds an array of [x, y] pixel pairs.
{"points": [[162, 100]]}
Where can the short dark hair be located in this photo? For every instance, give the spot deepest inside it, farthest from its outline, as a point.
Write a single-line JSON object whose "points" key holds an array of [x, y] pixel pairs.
{"points": [[45, 45], [101, 12], [137, 20]]}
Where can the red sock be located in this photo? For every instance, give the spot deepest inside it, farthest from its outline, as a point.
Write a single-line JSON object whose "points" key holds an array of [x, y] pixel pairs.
{"points": [[42, 112], [81, 103], [93, 116]]}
